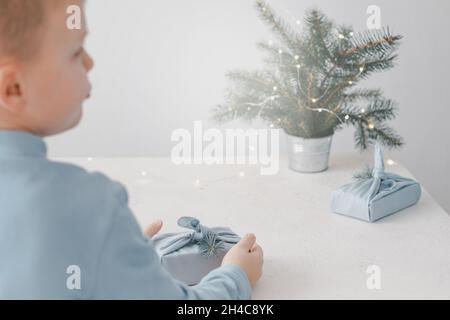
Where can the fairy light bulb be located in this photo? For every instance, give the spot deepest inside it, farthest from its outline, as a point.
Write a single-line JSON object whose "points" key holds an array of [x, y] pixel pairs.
{"points": [[363, 110], [275, 88], [280, 51], [314, 100], [350, 82], [371, 126], [296, 57], [347, 117], [341, 36], [361, 69], [272, 98], [320, 110], [390, 162], [351, 34], [298, 66]]}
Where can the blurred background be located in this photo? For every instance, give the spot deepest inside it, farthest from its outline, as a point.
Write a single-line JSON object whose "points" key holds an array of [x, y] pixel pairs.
{"points": [[160, 65]]}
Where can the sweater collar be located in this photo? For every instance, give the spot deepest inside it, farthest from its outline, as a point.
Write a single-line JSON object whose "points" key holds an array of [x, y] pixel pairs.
{"points": [[19, 143]]}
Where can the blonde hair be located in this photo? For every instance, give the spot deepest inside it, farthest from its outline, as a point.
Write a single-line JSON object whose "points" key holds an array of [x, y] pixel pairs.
{"points": [[21, 25]]}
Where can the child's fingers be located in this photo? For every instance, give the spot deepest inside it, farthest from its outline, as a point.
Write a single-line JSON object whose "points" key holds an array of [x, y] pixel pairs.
{"points": [[247, 241], [257, 250], [153, 228]]}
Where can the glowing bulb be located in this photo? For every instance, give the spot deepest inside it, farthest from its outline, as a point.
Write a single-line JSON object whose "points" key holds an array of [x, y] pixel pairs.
{"points": [[296, 57], [272, 98], [371, 126], [390, 162], [320, 110], [280, 51], [351, 34], [341, 36], [298, 66], [350, 82], [347, 117], [363, 110], [275, 88], [361, 69], [249, 108], [272, 126], [314, 100]]}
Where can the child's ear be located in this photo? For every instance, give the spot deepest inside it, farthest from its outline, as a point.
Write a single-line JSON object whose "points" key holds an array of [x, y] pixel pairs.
{"points": [[12, 97]]}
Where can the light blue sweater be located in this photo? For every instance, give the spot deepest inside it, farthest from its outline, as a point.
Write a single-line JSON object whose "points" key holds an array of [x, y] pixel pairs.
{"points": [[66, 233]]}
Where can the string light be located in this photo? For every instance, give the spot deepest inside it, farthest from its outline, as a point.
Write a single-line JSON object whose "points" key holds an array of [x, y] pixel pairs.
{"points": [[347, 117], [361, 69], [296, 57], [275, 88], [272, 126], [314, 100], [249, 108], [280, 51], [351, 34], [363, 110], [371, 126], [298, 66], [320, 110], [350, 82], [390, 162], [341, 36]]}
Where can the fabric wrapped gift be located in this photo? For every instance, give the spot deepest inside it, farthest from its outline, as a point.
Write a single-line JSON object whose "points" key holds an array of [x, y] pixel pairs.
{"points": [[191, 255], [378, 196]]}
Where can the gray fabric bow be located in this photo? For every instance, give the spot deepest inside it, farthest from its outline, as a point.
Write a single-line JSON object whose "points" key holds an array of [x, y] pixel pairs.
{"points": [[171, 242]]}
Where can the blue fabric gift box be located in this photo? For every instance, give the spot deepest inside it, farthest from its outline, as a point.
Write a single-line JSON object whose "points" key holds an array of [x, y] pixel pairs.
{"points": [[376, 197], [191, 255]]}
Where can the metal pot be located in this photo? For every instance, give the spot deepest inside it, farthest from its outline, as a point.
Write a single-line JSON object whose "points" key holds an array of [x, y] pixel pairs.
{"points": [[308, 155]]}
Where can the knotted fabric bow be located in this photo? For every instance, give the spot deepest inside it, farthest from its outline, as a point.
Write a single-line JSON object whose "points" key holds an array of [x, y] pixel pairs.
{"points": [[200, 234], [384, 182]]}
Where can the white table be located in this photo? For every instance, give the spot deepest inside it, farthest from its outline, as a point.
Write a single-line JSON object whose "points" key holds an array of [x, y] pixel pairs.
{"points": [[310, 253]]}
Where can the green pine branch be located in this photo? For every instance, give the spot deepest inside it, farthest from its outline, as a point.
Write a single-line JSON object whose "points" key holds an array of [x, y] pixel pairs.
{"points": [[310, 90]]}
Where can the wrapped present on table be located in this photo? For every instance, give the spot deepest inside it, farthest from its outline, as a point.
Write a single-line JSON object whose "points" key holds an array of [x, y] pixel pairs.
{"points": [[191, 255], [376, 196]]}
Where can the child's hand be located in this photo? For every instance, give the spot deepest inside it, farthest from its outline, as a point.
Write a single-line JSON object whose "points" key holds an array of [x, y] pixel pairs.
{"points": [[153, 228], [248, 255]]}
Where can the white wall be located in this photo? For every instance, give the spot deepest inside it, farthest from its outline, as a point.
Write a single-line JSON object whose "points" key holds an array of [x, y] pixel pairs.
{"points": [[160, 65]]}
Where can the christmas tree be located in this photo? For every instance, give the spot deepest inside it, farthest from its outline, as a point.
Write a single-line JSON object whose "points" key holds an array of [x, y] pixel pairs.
{"points": [[309, 84]]}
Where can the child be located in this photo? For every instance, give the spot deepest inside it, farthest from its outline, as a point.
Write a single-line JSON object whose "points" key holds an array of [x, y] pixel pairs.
{"points": [[58, 221]]}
